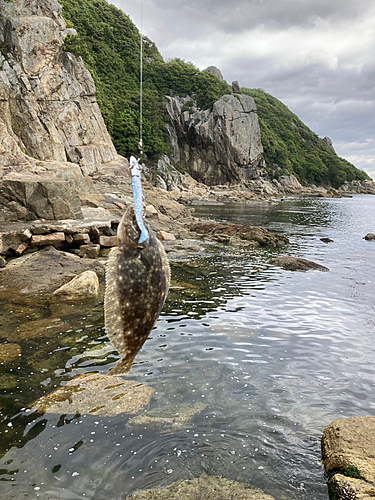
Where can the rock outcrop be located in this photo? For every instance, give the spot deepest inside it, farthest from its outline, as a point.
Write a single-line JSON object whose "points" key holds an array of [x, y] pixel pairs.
{"points": [[48, 109], [221, 145]]}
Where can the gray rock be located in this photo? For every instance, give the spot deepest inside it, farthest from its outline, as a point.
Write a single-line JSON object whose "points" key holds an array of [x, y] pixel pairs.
{"points": [[219, 145], [204, 487], [169, 177], [215, 71], [31, 198], [236, 89], [326, 240], [329, 144], [296, 264]]}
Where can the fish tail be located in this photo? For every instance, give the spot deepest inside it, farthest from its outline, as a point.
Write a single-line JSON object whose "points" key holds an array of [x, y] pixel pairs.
{"points": [[123, 367]]}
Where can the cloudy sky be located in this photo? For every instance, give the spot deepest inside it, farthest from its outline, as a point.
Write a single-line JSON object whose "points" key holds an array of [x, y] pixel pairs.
{"points": [[316, 56]]}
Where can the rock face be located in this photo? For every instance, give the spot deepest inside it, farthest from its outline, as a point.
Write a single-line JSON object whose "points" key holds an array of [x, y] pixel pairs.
{"points": [[48, 109], [348, 456], [329, 144], [219, 145], [215, 71], [32, 198]]}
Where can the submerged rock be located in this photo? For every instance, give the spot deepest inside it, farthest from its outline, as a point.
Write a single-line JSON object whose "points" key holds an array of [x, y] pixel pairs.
{"points": [[238, 234], [204, 487], [8, 381], [170, 418], [96, 394], [39, 328], [348, 456], [8, 352], [296, 264], [84, 286]]}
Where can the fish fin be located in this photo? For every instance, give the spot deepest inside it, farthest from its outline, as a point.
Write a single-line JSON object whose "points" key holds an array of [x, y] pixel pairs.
{"points": [[123, 367], [112, 311]]}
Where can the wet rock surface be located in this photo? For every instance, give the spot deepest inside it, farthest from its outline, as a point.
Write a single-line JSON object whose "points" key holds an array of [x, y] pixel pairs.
{"points": [[9, 352], [237, 234], [94, 394], [296, 264], [348, 457], [168, 419], [39, 328], [204, 487]]}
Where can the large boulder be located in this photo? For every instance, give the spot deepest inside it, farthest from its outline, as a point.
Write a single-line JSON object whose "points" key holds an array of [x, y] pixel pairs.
{"points": [[348, 457], [218, 145]]}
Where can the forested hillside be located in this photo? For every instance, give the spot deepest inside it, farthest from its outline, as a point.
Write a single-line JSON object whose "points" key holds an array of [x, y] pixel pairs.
{"points": [[109, 44]]}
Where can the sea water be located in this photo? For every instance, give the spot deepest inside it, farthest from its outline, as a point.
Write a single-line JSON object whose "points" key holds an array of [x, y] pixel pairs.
{"points": [[274, 355]]}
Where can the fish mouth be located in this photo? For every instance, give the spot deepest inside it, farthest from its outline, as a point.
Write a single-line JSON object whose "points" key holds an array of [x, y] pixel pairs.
{"points": [[129, 232]]}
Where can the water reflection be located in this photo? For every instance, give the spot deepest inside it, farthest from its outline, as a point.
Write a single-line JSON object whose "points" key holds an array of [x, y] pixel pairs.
{"points": [[274, 355]]}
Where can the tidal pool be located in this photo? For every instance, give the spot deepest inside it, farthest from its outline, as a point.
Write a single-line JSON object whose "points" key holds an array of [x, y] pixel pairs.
{"points": [[271, 356]]}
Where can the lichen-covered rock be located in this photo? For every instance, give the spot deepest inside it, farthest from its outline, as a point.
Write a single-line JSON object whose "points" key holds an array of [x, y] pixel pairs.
{"points": [[95, 394], [204, 487], [219, 145], [296, 264], [167, 419], [84, 286], [8, 352]]}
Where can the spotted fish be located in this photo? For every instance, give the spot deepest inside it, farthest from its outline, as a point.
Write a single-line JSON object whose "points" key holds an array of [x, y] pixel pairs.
{"points": [[137, 283]]}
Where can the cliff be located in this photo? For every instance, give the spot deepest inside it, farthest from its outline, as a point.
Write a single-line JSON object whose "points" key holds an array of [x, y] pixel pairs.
{"points": [[48, 109], [219, 145]]}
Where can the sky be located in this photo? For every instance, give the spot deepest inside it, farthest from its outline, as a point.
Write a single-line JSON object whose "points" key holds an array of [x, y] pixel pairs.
{"points": [[316, 56]]}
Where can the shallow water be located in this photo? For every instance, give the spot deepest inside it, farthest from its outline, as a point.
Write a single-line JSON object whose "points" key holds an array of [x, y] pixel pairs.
{"points": [[275, 355]]}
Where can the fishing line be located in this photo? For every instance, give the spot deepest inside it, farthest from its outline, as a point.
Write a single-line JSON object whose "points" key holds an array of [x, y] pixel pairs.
{"points": [[134, 164], [140, 145]]}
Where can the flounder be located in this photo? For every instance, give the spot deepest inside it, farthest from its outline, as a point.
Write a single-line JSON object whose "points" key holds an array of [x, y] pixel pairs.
{"points": [[137, 283]]}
